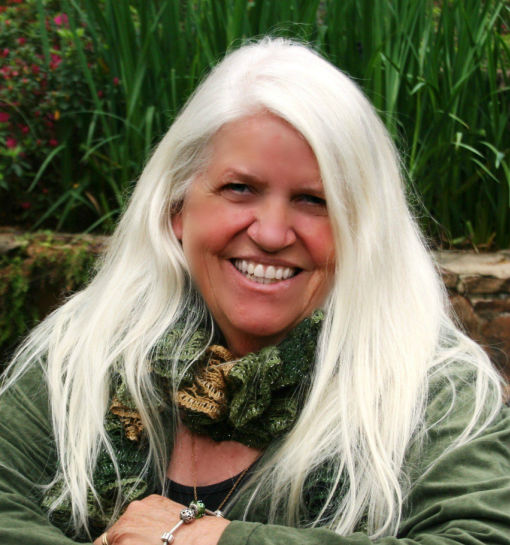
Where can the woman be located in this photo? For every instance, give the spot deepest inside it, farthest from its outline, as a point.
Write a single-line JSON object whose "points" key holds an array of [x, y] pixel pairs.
{"points": [[266, 318]]}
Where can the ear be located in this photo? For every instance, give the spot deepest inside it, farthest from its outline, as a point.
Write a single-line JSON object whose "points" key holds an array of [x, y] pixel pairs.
{"points": [[177, 224]]}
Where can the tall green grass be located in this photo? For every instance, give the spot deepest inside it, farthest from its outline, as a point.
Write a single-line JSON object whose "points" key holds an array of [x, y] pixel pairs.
{"points": [[439, 77], [438, 73]]}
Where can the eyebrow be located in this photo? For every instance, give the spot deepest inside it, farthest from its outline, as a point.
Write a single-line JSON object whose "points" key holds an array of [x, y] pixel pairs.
{"points": [[241, 175]]}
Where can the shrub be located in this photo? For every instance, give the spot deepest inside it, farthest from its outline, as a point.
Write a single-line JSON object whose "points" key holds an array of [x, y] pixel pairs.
{"points": [[40, 91], [36, 271]]}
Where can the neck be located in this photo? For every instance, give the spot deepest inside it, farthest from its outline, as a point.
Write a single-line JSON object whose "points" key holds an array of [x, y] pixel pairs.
{"points": [[240, 344], [215, 461]]}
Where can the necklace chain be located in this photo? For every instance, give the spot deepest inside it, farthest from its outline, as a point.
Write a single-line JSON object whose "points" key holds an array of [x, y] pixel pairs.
{"points": [[194, 475]]}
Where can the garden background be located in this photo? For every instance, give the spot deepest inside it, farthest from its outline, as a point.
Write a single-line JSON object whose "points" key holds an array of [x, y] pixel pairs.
{"points": [[88, 87]]}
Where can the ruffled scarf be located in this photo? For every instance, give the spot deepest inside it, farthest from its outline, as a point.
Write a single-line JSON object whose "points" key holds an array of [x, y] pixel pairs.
{"points": [[254, 400]]}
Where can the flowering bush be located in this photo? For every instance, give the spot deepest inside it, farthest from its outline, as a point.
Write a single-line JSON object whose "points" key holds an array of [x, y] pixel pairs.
{"points": [[39, 86]]}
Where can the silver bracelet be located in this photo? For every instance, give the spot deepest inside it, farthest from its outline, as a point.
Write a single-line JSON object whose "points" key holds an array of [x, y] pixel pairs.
{"points": [[195, 510]]}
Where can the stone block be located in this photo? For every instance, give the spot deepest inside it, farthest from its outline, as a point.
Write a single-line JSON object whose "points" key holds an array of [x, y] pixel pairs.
{"points": [[450, 279], [483, 284], [467, 263], [496, 335], [466, 315], [489, 309]]}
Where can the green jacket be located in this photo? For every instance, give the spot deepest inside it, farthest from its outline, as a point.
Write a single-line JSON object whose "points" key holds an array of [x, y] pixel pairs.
{"points": [[464, 498]]}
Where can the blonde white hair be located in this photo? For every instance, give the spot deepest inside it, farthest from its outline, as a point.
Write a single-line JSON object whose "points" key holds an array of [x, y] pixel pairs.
{"points": [[386, 324]]}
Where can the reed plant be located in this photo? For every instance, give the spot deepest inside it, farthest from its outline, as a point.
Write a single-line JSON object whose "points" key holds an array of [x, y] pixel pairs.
{"points": [[438, 73]]}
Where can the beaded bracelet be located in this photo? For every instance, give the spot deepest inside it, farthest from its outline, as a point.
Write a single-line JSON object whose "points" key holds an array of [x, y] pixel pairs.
{"points": [[195, 510]]}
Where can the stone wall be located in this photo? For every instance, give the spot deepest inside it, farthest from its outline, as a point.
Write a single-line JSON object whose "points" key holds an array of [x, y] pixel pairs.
{"points": [[479, 289], [45, 267]]}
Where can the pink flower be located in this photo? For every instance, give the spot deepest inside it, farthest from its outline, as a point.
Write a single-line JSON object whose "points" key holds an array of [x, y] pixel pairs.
{"points": [[100, 93], [11, 142], [35, 69], [55, 61], [116, 80], [22, 40], [4, 117], [24, 129], [53, 143], [5, 52], [25, 205], [61, 19]]}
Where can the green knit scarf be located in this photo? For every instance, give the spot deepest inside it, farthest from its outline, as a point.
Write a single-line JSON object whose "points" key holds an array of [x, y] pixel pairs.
{"points": [[264, 391]]}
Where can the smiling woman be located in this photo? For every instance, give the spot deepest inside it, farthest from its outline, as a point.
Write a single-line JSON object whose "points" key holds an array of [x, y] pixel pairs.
{"points": [[265, 347], [255, 232]]}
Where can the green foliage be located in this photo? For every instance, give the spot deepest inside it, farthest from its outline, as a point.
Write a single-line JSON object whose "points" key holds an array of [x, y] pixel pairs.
{"points": [[439, 75], [438, 72], [35, 275], [156, 52], [40, 93]]}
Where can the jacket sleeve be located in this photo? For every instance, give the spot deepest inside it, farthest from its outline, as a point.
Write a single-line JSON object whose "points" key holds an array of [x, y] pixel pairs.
{"points": [[27, 462], [457, 497]]}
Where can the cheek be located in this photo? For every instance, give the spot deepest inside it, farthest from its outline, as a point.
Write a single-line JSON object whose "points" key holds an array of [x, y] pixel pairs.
{"points": [[209, 233], [321, 245]]}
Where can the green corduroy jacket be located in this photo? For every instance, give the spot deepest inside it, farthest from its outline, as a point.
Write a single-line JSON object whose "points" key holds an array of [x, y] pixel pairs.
{"points": [[463, 499]]}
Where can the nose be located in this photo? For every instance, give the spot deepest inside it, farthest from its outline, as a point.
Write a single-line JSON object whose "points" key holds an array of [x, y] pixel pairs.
{"points": [[271, 229]]}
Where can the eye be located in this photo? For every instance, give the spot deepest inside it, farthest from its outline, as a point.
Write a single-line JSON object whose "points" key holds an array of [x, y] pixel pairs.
{"points": [[237, 191], [312, 200], [237, 187]]}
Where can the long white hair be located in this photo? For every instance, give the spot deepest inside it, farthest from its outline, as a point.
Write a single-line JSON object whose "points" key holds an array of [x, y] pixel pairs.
{"points": [[386, 324]]}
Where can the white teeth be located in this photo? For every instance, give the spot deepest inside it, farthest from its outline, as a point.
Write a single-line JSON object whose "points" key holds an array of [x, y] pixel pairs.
{"points": [[261, 273]]}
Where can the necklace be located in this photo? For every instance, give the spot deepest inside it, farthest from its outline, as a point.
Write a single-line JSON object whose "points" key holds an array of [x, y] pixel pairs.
{"points": [[217, 512]]}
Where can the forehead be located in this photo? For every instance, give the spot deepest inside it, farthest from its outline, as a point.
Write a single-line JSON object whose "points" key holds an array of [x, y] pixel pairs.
{"points": [[264, 146]]}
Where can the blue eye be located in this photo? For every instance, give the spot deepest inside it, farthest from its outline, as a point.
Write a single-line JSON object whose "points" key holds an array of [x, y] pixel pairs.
{"points": [[237, 190], [237, 187], [313, 200]]}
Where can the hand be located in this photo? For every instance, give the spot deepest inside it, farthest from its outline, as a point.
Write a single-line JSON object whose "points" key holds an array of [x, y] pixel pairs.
{"points": [[144, 522]]}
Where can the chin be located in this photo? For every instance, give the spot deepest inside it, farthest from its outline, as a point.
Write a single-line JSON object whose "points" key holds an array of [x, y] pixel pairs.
{"points": [[264, 330]]}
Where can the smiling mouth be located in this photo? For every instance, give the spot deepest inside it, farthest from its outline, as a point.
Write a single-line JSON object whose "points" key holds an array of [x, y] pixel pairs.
{"points": [[263, 274]]}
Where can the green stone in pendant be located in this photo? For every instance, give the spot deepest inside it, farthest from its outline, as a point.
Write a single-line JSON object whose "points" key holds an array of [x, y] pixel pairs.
{"points": [[199, 508]]}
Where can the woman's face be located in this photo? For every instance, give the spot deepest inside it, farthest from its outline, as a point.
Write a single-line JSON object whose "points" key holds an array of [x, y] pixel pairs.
{"points": [[255, 231]]}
